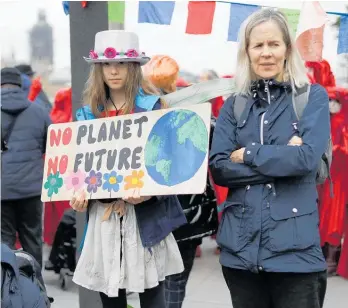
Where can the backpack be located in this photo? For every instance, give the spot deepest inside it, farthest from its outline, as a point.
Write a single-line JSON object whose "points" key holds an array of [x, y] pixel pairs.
{"points": [[25, 290], [299, 102], [31, 269]]}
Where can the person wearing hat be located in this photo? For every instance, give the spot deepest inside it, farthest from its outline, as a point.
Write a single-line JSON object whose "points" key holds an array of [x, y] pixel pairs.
{"points": [[28, 78], [23, 142], [139, 263]]}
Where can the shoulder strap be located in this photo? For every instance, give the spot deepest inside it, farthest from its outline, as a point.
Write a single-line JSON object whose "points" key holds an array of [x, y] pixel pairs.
{"points": [[239, 106], [300, 100], [6, 137]]}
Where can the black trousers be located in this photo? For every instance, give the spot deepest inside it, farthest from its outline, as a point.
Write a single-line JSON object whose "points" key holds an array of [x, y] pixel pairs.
{"points": [[175, 285], [275, 290], [23, 216], [151, 298]]}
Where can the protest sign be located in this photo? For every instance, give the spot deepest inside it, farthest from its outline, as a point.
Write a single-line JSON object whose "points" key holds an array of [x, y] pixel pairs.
{"points": [[161, 152]]}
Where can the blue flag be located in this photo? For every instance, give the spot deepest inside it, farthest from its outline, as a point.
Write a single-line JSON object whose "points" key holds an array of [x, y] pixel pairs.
{"points": [[66, 7], [156, 12], [343, 36], [238, 13]]}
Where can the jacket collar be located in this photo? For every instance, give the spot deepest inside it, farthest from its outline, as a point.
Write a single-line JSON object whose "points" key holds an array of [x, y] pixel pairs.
{"points": [[275, 89], [261, 84]]}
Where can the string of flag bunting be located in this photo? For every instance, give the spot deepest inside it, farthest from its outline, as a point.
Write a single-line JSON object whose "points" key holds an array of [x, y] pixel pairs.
{"points": [[308, 32]]}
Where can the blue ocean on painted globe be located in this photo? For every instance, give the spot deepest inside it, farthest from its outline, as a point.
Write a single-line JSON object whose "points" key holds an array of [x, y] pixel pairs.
{"points": [[176, 147]]}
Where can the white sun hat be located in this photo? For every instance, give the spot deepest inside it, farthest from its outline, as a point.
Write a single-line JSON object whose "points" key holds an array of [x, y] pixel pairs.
{"points": [[116, 46]]}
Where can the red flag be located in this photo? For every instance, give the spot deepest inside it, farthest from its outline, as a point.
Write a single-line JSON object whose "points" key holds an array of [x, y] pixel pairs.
{"points": [[200, 17], [84, 4], [35, 89], [310, 31]]}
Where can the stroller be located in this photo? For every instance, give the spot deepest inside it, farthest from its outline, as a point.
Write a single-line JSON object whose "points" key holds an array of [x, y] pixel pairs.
{"points": [[62, 259]]}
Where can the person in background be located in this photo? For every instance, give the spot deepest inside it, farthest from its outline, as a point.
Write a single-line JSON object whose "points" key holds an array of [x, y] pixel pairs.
{"points": [[28, 80], [200, 210], [62, 108], [342, 97], [216, 105], [269, 233], [320, 72], [333, 208], [208, 74], [23, 130], [60, 113]]}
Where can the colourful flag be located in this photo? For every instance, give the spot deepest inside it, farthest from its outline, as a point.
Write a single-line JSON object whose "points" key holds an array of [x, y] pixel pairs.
{"points": [[156, 12], [116, 11], [343, 36], [66, 7], [310, 31], [293, 17], [200, 17], [238, 13]]}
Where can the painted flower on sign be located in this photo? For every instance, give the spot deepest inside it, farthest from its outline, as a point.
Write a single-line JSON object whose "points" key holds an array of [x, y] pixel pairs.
{"points": [[93, 181], [112, 181], [134, 180], [53, 184], [75, 180]]}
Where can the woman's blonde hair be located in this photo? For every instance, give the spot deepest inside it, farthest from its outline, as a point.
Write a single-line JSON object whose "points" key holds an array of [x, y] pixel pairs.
{"points": [[96, 91], [294, 71]]}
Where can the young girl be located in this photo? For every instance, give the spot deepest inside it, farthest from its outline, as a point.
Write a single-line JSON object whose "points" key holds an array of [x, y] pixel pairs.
{"points": [[128, 243]]}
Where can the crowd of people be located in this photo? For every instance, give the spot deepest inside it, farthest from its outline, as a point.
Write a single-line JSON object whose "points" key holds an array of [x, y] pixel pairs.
{"points": [[278, 228]]}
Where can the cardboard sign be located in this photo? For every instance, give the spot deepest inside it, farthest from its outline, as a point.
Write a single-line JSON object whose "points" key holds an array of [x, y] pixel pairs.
{"points": [[161, 152]]}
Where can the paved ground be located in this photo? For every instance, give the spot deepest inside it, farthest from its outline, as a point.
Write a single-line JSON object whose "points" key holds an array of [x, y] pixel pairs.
{"points": [[206, 287]]}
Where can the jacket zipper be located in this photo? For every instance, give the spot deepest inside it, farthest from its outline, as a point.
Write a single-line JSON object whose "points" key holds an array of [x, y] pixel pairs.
{"points": [[263, 115]]}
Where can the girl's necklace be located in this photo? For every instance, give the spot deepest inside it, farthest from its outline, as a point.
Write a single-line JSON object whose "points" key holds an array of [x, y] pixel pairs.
{"points": [[117, 110]]}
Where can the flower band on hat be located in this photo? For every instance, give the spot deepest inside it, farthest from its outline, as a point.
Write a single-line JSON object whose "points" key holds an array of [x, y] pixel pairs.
{"points": [[127, 50], [111, 53]]}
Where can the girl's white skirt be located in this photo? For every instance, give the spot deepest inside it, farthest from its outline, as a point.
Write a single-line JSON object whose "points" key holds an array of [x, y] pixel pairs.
{"points": [[101, 267]]}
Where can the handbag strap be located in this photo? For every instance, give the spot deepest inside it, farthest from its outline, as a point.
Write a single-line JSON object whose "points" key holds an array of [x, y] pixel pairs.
{"points": [[6, 137]]}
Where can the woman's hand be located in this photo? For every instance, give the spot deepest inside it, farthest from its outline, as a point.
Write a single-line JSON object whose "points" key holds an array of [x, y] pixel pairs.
{"points": [[79, 203], [295, 141], [237, 156], [136, 200]]}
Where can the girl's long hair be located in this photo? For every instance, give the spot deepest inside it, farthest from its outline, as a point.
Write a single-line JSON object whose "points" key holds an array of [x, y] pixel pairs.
{"points": [[97, 92]]}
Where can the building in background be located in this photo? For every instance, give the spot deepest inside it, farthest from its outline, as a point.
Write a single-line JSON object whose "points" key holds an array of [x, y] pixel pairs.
{"points": [[41, 45]]}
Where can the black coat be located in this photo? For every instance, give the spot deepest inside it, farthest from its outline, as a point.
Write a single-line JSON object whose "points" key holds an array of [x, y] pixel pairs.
{"points": [[22, 163]]}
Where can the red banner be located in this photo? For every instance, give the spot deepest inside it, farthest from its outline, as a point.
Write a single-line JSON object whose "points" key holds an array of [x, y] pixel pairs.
{"points": [[200, 17]]}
